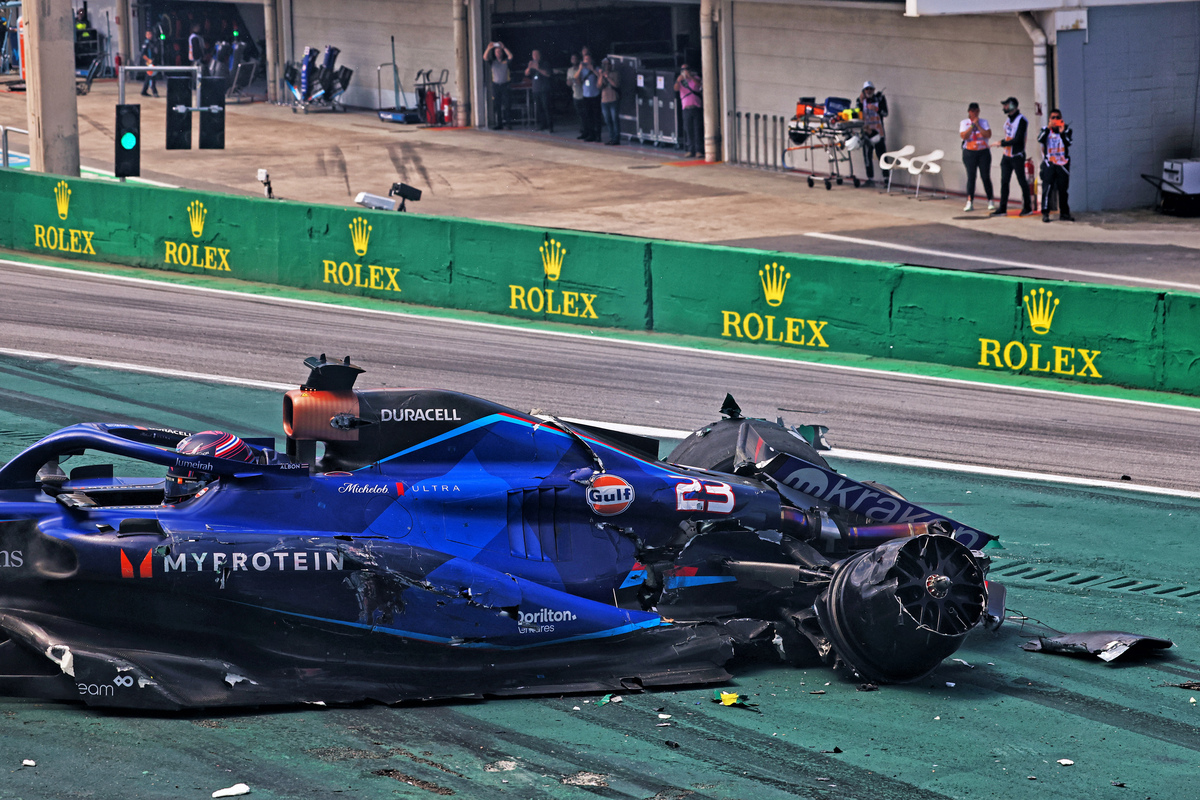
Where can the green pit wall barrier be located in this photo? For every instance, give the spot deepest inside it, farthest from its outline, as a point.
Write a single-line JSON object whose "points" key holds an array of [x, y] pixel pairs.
{"points": [[1079, 332]]}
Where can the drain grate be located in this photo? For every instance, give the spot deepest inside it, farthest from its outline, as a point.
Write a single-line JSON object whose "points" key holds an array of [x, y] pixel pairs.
{"points": [[1015, 573]]}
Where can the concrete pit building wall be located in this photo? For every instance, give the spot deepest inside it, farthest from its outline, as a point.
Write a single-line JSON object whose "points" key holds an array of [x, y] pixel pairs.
{"points": [[928, 67]]}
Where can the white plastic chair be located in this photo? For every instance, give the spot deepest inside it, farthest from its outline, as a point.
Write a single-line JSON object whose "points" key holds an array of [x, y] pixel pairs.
{"points": [[896, 159], [920, 165]]}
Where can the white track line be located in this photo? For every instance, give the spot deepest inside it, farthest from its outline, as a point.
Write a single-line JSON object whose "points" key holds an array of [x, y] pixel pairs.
{"points": [[286, 301], [640, 430], [168, 373], [1000, 262]]}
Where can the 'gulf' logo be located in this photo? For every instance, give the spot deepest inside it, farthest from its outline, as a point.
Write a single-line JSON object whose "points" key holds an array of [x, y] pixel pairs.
{"points": [[609, 495]]}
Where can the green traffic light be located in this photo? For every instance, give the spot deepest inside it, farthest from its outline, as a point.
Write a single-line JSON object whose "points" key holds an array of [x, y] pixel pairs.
{"points": [[235, 34], [129, 140]]}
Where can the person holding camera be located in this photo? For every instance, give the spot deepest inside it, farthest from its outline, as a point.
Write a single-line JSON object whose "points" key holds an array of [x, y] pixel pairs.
{"points": [[691, 99], [1016, 128], [610, 95], [539, 75], [874, 108], [589, 78], [497, 57], [975, 133], [1055, 140]]}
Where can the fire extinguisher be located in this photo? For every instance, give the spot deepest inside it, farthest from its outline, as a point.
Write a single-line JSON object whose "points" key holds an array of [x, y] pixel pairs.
{"points": [[1031, 179], [447, 113], [21, 43], [430, 107]]}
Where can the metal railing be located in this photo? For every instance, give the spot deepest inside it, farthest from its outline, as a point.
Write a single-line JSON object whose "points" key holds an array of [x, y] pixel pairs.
{"points": [[4, 130], [759, 140], [125, 70]]}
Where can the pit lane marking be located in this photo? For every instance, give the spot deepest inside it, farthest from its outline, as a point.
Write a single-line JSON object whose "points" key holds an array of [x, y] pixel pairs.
{"points": [[1082, 273], [295, 301]]}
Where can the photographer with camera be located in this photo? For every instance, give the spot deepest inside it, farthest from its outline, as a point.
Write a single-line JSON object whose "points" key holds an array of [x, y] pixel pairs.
{"points": [[1055, 140], [497, 57], [692, 101]]}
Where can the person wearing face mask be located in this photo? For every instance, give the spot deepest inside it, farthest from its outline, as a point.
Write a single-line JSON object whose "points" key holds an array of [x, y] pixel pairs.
{"points": [[1055, 140], [1016, 127]]}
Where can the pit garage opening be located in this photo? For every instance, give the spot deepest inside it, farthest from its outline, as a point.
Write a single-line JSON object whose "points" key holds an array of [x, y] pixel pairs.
{"points": [[647, 42]]}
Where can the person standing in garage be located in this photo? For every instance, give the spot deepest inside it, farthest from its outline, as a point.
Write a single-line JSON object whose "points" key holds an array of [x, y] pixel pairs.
{"points": [[691, 99], [1055, 139], [590, 79], [497, 57], [1016, 127], [539, 75], [576, 84], [874, 108], [975, 133], [196, 49], [610, 94]]}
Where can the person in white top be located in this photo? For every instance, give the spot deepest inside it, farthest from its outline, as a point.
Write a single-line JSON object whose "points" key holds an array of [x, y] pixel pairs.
{"points": [[975, 133]]}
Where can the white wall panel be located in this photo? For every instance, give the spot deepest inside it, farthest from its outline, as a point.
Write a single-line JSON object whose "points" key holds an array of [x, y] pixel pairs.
{"points": [[929, 67], [424, 31]]}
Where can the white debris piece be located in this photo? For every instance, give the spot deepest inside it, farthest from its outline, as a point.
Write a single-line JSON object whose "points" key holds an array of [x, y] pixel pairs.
{"points": [[586, 779], [233, 791], [964, 663], [664, 716], [29, 762], [1066, 762], [61, 654], [950, 684], [500, 766]]}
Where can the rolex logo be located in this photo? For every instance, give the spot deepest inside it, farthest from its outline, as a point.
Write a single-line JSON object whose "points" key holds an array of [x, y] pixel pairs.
{"points": [[360, 235], [1041, 306], [196, 215], [62, 198], [552, 258], [774, 283]]}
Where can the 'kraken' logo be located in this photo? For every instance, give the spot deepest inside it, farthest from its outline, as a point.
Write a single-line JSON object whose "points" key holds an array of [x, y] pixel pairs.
{"points": [[196, 216], [360, 235], [62, 198], [552, 258], [1041, 306], [774, 280]]}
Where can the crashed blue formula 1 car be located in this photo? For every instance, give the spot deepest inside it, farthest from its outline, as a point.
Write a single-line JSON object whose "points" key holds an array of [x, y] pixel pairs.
{"points": [[415, 544]]}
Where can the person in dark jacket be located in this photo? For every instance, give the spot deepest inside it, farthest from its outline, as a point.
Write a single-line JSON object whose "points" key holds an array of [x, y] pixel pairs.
{"points": [[149, 57], [1055, 140], [1016, 127], [874, 109], [539, 75]]}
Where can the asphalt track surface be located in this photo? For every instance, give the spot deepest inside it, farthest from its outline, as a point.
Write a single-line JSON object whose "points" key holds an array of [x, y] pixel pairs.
{"points": [[989, 251], [994, 724], [581, 376]]}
